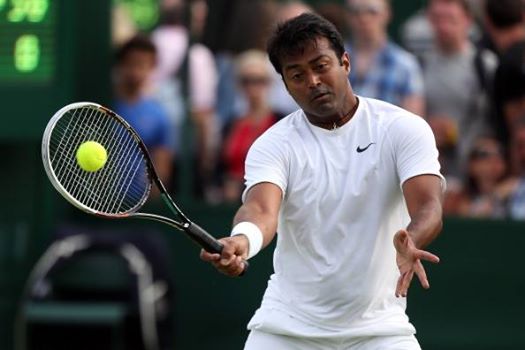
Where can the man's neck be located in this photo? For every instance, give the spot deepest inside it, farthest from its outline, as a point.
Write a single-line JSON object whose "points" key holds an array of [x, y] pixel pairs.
{"points": [[341, 119]]}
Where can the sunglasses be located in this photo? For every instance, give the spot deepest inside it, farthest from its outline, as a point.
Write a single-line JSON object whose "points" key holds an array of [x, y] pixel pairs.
{"points": [[246, 80]]}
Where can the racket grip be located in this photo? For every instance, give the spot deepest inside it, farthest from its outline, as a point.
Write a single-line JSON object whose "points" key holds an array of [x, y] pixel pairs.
{"points": [[208, 242], [204, 239]]}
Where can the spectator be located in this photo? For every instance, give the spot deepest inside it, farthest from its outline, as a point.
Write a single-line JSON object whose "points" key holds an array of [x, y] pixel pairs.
{"points": [[135, 61], [380, 68], [505, 24], [417, 35], [457, 77], [173, 44], [254, 75], [485, 175]]}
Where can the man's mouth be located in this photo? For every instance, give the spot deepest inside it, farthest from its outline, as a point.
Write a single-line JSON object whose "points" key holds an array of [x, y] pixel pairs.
{"points": [[319, 96]]}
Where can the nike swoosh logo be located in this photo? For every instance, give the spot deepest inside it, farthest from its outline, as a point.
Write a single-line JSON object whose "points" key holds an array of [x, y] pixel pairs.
{"points": [[359, 149]]}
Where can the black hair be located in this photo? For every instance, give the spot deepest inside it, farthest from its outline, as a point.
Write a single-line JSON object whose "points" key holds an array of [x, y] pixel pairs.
{"points": [[139, 42], [292, 36], [504, 13]]}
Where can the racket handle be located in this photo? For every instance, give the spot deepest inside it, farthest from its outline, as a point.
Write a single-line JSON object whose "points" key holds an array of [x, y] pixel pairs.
{"points": [[208, 242], [203, 238]]}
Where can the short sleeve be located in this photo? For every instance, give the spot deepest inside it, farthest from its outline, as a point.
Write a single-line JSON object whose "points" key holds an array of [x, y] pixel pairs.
{"points": [[266, 162], [414, 147]]}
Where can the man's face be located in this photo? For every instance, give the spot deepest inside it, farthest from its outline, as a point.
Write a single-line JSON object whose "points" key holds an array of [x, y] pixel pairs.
{"points": [[317, 79], [368, 19], [136, 68], [449, 20]]}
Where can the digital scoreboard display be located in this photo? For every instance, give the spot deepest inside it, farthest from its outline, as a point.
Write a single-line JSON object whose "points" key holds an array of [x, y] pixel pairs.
{"points": [[27, 40]]}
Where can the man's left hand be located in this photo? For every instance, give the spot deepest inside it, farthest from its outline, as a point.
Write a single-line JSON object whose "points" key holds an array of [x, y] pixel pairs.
{"points": [[408, 260]]}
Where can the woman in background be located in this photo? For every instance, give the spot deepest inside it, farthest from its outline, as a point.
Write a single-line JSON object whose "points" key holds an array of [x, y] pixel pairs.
{"points": [[254, 77]]}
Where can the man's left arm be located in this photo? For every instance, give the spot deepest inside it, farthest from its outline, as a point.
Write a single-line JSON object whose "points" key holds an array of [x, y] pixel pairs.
{"points": [[424, 196]]}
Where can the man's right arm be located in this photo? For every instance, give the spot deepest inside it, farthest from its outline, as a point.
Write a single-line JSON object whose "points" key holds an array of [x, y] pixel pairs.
{"points": [[261, 208]]}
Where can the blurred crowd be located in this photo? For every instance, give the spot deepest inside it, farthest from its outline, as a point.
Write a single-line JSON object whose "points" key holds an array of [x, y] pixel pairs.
{"points": [[460, 64]]}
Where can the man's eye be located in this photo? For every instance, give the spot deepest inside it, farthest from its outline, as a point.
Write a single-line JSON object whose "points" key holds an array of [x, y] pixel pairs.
{"points": [[297, 76], [321, 66]]}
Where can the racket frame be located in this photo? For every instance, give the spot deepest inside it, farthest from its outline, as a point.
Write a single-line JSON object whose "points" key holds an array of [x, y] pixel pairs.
{"points": [[195, 232]]}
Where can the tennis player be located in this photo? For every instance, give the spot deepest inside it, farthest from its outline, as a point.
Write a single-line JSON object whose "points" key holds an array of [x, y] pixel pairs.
{"points": [[352, 187]]}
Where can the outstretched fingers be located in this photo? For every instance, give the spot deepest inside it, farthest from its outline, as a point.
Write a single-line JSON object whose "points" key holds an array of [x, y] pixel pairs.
{"points": [[427, 256], [403, 283], [421, 275]]}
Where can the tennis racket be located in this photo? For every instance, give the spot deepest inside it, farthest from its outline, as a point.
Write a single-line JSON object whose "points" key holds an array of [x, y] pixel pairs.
{"points": [[121, 187]]}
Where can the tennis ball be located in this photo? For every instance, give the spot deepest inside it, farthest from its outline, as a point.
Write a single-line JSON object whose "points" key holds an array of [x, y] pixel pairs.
{"points": [[91, 156]]}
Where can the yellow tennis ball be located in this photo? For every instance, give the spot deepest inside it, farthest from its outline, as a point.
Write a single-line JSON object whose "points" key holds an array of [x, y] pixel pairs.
{"points": [[91, 156]]}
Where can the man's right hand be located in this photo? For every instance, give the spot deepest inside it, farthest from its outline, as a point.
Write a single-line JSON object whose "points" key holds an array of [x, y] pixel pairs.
{"points": [[231, 261]]}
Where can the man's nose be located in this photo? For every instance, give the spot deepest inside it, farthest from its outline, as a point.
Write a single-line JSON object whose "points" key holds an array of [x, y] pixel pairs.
{"points": [[313, 80]]}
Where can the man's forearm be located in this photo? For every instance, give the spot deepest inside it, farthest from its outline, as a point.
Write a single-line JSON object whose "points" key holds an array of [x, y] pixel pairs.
{"points": [[256, 215], [426, 224]]}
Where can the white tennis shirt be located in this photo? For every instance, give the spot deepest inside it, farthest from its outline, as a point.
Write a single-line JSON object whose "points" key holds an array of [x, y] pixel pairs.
{"points": [[335, 269]]}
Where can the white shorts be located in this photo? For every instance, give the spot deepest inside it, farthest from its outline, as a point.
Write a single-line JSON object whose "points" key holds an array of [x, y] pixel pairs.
{"points": [[258, 340]]}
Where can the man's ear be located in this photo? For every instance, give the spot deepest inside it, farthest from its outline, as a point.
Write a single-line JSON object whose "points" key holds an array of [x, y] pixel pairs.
{"points": [[345, 62]]}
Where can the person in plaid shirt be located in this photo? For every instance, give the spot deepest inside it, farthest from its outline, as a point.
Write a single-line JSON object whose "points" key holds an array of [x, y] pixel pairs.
{"points": [[381, 69]]}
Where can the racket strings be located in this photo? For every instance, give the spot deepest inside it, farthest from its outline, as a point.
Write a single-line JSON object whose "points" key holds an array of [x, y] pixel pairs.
{"points": [[74, 171], [70, 136], [66, 169], [108, 175], [120, 142], [122, 184], [93, 180]]}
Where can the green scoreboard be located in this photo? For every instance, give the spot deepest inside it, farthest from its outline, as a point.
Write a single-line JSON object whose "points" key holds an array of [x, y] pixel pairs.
{"points": [[52, 52], [27, 40]]}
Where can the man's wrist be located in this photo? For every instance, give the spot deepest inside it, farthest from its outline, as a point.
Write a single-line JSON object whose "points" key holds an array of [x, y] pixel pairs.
{"points": [[252, 233]]}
